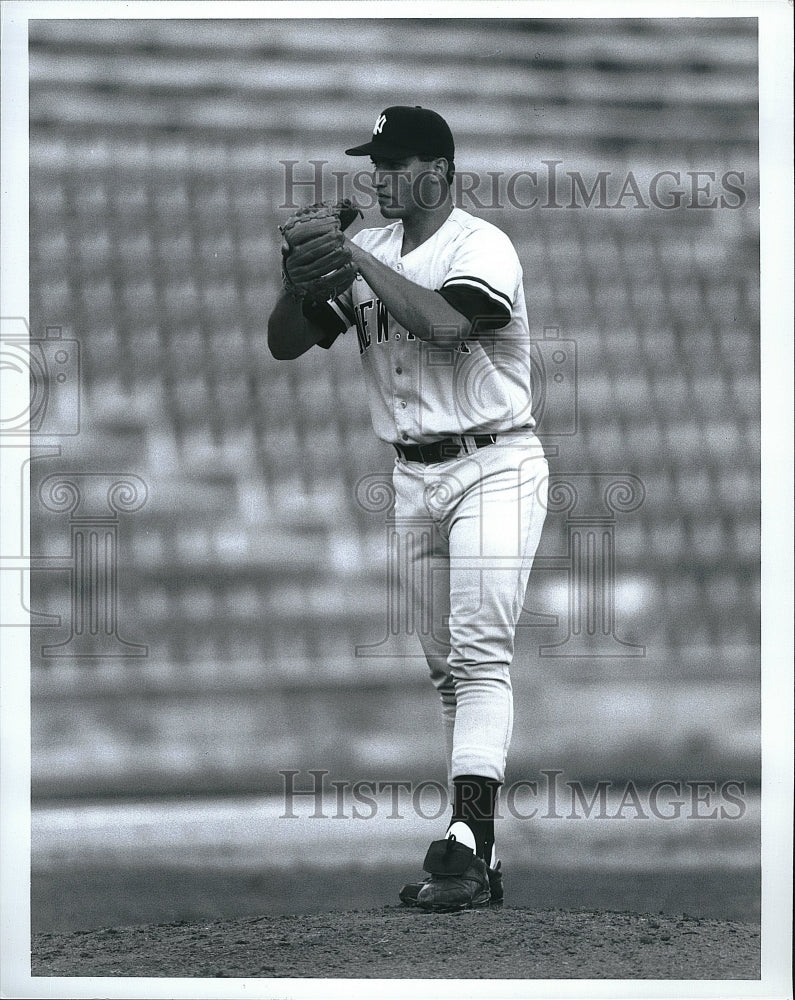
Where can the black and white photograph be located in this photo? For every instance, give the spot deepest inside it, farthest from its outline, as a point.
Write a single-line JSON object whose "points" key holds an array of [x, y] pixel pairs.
{"points": [[396, 447]]}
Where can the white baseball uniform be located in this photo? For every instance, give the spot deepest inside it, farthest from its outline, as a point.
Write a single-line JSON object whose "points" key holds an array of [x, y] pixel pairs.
{"points": [[470, 524]]}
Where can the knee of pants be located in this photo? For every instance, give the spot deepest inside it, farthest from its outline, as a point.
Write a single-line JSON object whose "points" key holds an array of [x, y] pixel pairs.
{"points": [[477, 654], [442, 679], [464, 666], [436, 656], [437, 652]]}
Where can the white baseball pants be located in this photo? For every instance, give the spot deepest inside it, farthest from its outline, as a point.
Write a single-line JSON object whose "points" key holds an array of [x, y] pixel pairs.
{"points": [[468, 530]]}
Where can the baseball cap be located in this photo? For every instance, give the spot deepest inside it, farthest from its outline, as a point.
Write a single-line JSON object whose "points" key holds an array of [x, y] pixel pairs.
{"points": [[403, 131]]}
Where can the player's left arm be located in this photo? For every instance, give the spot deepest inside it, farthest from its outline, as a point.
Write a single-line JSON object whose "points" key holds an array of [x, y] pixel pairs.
{"points": [[475, 297], [422, 311]]}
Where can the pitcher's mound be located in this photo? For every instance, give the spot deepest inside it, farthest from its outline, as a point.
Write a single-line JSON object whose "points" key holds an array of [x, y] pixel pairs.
{"points": [[400, 943]]}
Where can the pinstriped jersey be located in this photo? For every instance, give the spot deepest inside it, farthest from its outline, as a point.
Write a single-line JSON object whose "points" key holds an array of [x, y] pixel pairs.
{"points": [[420, 391]]}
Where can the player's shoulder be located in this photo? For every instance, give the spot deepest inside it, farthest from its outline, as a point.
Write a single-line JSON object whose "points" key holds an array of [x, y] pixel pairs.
{"points": [[470, 230], [370, 239], [467, 226]]}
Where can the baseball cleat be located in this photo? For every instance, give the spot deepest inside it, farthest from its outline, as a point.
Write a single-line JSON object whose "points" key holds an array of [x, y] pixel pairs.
{"points": [[458, 879], [408, 894]]}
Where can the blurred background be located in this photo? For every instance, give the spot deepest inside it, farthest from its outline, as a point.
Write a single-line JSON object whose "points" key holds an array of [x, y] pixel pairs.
{"points": [[252, 574]]}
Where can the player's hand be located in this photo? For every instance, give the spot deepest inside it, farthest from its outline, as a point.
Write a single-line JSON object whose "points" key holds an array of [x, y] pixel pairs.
{"points": [[316, 259], [357, 255]]}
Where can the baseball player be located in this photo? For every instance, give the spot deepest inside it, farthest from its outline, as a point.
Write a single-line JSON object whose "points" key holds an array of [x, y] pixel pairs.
{"points": [[437, 303]]}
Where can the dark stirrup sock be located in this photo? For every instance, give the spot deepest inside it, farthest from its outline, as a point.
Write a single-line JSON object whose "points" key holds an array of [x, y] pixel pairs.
{"points": [[474, 801]]}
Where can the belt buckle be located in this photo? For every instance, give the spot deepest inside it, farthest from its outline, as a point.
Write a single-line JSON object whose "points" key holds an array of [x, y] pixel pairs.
{"points": [[450, 448]]}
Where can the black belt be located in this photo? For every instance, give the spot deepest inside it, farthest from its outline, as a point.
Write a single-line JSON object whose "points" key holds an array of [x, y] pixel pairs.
{"points": [[440, 451]]}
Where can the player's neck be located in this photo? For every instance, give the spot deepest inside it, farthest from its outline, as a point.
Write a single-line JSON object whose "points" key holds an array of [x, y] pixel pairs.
{"points": [[419, 227]]}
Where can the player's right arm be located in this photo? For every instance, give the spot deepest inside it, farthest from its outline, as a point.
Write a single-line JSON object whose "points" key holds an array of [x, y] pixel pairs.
{"points": [[294, 327]]}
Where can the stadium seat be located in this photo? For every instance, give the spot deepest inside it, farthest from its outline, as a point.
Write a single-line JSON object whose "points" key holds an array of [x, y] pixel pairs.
{"points": [[156, 185]]}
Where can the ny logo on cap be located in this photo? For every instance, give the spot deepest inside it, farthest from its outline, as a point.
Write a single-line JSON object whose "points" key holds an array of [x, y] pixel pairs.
{"points": [[379, 125]]}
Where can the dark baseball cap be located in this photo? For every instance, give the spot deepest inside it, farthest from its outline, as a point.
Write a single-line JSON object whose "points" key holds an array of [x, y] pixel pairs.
{"points": [[403, 131]]}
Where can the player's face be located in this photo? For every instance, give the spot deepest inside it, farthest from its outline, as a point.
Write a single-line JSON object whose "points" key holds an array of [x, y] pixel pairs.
{"points": [[404, 187]]}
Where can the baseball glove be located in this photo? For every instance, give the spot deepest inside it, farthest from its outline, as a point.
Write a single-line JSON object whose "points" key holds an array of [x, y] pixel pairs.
{"points": [[316, 264]]}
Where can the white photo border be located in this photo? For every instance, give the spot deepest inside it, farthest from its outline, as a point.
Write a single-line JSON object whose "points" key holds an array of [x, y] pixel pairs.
{"points": [[776, 155]]}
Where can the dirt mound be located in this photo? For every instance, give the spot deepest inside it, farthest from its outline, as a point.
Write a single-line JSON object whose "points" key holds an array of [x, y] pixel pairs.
{"points": [[397, 943]]}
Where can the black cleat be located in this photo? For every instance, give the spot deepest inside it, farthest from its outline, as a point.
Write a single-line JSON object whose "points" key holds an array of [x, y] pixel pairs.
{"points": [[408, 894], [458, 880]]}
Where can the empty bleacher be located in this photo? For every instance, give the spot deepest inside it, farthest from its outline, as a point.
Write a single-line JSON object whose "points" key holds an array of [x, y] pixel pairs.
{"points": [[155, 186]]}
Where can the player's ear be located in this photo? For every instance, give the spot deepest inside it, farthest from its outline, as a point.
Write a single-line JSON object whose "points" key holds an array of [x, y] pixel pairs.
{"points": [[440, 166]]}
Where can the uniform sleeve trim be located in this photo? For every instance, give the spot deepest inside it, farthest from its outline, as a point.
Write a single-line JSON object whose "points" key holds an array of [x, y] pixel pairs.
{"points": [[343, 314], [484, 312], [469, 279]]}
